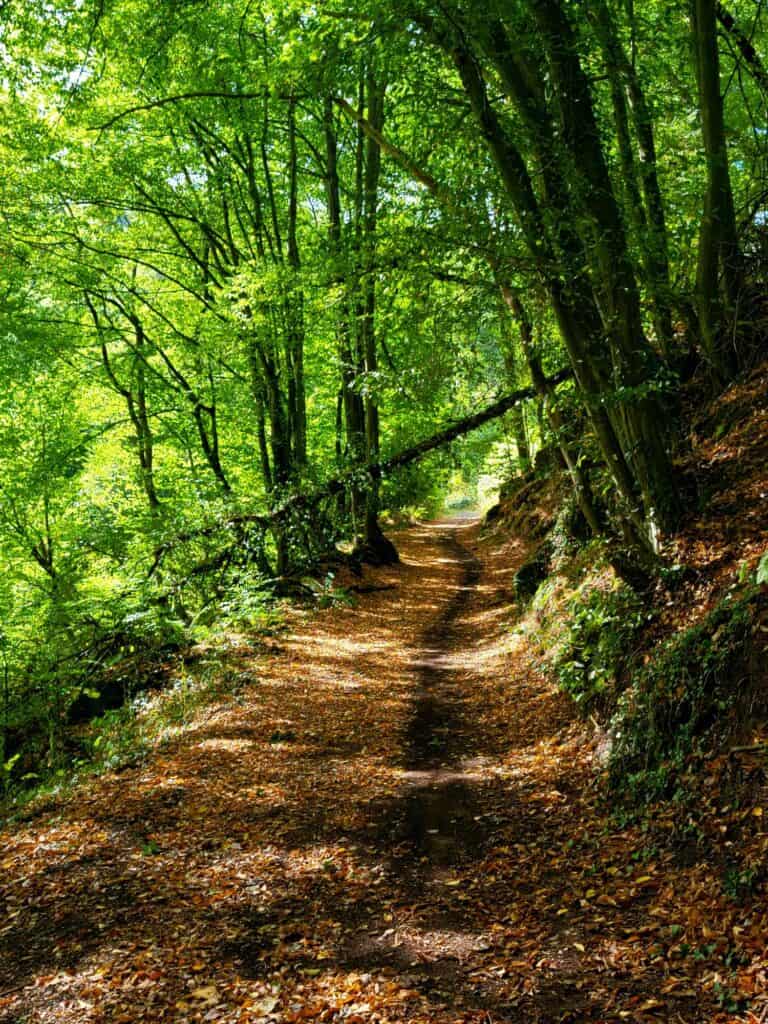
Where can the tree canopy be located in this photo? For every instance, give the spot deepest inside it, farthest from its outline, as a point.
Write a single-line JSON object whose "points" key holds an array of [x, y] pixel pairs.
{"points": [[253, 253]]}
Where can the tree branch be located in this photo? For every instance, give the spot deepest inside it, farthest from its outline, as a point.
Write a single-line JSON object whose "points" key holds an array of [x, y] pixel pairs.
{"points": [[393, 151], [375, 471], [165, 101], [745, 47]]}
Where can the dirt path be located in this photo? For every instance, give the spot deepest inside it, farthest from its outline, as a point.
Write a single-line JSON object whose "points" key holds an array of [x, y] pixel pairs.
{"points": [[390, 817]]}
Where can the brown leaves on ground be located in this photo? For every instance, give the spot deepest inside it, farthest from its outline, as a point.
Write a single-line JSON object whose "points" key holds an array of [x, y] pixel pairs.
{"points": [[726, 470], [395, 820]]}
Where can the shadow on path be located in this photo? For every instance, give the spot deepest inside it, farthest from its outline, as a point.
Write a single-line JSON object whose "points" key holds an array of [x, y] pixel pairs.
{"points": [[441, 808], [331, 860]]}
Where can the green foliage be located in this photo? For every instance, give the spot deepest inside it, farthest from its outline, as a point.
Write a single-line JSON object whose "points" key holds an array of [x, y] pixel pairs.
{"points": [[686, 695], [740, 883], [327, 594], [602, 625], [248, 603], [460, 503], [419, 490], [115, 738], [190, 335], [332, 596], [125, 734]]}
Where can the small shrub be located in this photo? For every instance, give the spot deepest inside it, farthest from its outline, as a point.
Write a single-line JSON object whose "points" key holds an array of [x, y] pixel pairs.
{"points": [[602, 627], [688, 692], [249, 604], [327, 594], [116, 737], [571, 530]]}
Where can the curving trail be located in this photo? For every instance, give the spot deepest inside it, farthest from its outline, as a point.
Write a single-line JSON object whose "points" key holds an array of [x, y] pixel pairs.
{"points": [[387, 816]]}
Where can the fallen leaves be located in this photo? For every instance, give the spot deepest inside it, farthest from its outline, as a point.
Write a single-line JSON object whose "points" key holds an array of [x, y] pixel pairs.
{"points": [[293, 879]]}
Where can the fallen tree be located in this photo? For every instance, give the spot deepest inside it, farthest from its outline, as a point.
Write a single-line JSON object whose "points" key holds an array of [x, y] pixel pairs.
{"points": [[303, 502], [377, 470], [465, 425]]}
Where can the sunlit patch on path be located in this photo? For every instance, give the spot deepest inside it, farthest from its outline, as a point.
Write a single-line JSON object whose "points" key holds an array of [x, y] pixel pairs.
{"points": [[392, 821]]}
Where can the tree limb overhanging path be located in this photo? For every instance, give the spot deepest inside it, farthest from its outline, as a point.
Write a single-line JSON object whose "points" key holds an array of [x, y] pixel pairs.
{"points": [[417, 451], [466, 424], [386, 816], [302, 500]]}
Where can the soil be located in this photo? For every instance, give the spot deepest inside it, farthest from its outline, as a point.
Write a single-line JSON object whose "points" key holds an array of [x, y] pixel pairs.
{"points": [[394, 817]]}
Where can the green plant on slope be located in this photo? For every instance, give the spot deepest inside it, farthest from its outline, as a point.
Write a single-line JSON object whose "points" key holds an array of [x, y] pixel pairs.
{"points": [[688, 692], [602, 626]]}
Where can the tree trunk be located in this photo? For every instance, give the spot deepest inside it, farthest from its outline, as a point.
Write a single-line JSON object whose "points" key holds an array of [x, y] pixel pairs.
{"points": [[297, 404], [377, 547], [644, 418], [649, 221], [718, 257], [546, 391], [350, 399], [516, 417]]}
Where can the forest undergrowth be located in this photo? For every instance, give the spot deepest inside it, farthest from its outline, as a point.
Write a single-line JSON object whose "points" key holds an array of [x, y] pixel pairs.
{"points": [[391, 809]]}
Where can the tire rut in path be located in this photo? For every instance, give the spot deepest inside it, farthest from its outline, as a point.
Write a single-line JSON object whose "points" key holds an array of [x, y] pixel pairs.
{"points": [[432, 834], [441, 805]]}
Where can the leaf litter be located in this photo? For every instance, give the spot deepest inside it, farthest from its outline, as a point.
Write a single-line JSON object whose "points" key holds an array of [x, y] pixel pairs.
{"points": [[397, 819]]}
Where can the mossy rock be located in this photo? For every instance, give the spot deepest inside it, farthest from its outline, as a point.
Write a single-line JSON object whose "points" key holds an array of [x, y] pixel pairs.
{"points": [[533, 572], [492, 514]]}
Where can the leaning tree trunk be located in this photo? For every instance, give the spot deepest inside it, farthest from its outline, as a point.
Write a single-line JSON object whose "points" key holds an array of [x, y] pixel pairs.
{"points": [[643, 416], [546, 391], [516, 415], [574, 310], [649, 221]]}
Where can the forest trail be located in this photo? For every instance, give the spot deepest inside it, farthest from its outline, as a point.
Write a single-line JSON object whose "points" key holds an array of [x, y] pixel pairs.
{"points": [[390, 818]]}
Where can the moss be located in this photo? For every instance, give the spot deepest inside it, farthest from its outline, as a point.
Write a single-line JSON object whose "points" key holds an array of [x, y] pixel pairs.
{"points": [[685, 699]]}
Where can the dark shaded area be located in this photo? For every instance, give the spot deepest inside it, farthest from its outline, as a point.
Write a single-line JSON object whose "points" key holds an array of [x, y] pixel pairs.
{"points": [[377, 549], [447, 814], [534, 571], [436, 733], [442, 821]]}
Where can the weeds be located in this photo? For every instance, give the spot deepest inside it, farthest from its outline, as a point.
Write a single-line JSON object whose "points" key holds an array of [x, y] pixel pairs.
{"points": [[740, 883], [688, 692], [602, 627], [125, 735]]}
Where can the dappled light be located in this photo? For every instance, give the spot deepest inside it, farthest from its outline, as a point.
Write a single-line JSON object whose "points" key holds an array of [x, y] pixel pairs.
{"points": [[407, 835], [383, 512]]}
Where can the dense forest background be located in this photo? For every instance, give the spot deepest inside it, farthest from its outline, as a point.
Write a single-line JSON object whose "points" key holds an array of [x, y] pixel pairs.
{"points": [[251, 250]]}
